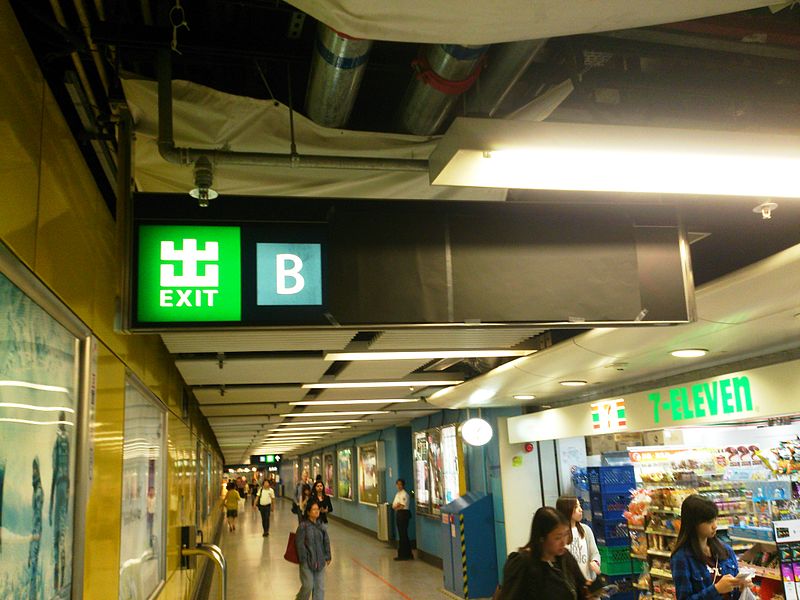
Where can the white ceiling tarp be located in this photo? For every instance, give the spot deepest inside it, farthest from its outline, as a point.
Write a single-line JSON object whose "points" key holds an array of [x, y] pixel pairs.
{"points": [[206, 118], [492, 21]]}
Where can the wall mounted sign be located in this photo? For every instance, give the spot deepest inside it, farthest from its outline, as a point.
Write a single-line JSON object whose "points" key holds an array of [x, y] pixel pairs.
{"points": [[725, 396], [762, 393], [609, 415]]}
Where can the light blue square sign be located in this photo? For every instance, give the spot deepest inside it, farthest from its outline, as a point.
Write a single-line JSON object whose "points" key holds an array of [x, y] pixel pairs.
{"points": [[288, 274]]}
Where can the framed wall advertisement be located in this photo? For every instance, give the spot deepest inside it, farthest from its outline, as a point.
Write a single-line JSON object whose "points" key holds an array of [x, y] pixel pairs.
{"points": [[439, 471], [368, 474], [421, 473], [316, 467], [142, 535], [40, 403], [306, 467], [328, 473], [344, 460]]}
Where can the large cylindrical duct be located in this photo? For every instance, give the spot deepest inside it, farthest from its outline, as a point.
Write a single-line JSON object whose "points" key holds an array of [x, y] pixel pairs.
{"points": [[444, 72], [336, 71]]}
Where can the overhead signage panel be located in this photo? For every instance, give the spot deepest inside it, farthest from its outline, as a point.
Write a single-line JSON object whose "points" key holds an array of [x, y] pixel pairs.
{"points": [[287, 262]]}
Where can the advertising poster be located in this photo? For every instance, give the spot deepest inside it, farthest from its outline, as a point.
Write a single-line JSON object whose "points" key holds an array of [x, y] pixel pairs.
{"points": [[306, 468], [421, 473], [39, 370], [345, 473], [142, 540], [452, 489], [327, 477], [436, 465], [316, 467], [368, 474]]}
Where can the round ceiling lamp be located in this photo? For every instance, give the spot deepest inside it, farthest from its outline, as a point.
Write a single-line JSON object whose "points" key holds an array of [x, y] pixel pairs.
{"points": [[476, 432]]}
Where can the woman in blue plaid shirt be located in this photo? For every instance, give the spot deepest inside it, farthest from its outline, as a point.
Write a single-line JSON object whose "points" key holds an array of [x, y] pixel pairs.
{"points": [[703, 568]]}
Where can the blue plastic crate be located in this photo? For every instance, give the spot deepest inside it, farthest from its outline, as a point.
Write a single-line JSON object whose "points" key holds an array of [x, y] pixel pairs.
{"points": [[609, 506], [611, 532], [605, 480]]}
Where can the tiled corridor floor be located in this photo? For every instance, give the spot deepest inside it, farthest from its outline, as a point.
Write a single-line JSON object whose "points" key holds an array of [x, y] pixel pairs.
{"points": [[362, 566]]}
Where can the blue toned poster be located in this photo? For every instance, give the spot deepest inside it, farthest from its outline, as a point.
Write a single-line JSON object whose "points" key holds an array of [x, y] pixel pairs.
{"points": [[39, 370]]}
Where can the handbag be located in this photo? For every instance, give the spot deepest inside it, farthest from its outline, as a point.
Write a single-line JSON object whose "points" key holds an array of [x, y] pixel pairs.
{"points": [[291, 550]]}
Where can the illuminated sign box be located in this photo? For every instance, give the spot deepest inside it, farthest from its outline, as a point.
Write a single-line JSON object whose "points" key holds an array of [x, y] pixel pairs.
{"points": [[228, 275]]}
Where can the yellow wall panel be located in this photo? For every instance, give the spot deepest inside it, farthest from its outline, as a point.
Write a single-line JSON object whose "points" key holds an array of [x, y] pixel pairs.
{"points": [[22, 88], [103, 513]]}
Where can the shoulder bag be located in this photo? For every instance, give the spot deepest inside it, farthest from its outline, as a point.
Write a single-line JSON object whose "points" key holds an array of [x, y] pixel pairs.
{"points": [[291, 550]]}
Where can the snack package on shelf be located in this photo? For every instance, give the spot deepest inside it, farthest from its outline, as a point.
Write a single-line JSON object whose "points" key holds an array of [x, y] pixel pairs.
{"points": [[637, 507], [783, 460]]}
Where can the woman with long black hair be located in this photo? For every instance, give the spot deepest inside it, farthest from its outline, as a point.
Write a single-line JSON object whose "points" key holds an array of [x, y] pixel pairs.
{"points": [[324, 501], [702, 566], [543, 568], [580, 541]]}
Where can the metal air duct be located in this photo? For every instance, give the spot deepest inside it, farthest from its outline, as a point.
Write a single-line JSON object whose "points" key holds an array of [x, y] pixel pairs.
{"points": [[336, 70], [443, 73]]}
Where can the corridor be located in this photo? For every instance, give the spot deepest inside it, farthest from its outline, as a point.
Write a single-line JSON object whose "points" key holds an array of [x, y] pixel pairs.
{"points": [[362, 566]]}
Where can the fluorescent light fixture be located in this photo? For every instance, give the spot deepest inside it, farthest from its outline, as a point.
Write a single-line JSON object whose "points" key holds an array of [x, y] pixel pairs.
{"points": [[295, 423], [430, 354], [380, 384], [573, 382], [610, 158], [34, 386], [689, 352], [306, 434], [325, 428], [330, 402], [348, 413], [524, 397]]}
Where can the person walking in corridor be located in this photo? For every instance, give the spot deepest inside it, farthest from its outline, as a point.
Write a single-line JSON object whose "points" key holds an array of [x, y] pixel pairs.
{"points": [[232, 498], [264, 498], [402, 512], [314, 551], [580, 541], [324, 501]]}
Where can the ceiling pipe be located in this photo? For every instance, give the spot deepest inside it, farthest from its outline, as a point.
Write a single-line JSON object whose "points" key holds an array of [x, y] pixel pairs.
{"points": [[443, 73], [83, 16], [337, 68], [505, 64], [186, 156], [76, 60]]}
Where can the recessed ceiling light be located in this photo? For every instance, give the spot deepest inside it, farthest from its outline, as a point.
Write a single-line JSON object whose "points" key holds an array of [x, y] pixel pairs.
{"points": [[429, 354], [343, 413], [524, 397], [573, 382], [330, 402], [689, 352], [379, 384]]}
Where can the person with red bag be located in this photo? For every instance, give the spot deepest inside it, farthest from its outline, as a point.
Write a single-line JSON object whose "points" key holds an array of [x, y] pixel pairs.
{"points": [[313, 551]]}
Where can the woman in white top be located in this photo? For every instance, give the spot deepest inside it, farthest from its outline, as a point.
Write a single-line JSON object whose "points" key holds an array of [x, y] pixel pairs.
{"points": [[580, 543]]}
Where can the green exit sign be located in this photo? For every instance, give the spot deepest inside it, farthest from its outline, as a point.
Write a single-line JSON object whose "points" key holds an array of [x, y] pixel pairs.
{"points": [[189, 273], [728, 396]]}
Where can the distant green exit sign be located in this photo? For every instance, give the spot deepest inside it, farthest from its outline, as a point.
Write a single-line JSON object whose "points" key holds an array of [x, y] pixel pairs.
{"points": [[728, 396]]}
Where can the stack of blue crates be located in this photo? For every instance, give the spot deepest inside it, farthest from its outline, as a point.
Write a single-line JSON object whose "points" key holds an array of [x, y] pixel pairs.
{"points": [[609, 495]]}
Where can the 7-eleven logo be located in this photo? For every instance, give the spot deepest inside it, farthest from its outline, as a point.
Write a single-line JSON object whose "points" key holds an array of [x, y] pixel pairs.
{"points": [[609, 415]]}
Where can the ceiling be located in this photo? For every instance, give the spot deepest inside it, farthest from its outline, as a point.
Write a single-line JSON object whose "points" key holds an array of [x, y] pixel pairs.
{"points": [[243, 63]]}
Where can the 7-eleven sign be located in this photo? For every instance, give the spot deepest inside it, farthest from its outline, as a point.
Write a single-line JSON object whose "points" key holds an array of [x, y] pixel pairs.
{"points": [[609, 415]]}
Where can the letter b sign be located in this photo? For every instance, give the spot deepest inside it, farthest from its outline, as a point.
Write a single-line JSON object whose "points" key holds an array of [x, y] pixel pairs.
{"points": [[289, 274]]}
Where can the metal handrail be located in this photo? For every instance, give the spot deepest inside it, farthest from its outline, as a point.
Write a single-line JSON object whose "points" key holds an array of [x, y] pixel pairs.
{"points": [[214, 553]]}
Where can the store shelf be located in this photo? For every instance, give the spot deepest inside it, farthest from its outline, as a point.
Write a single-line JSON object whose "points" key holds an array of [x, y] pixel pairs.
{"points": [[662, 597], [666, 532], [664, 509], [763, 572], [753, 541], [645, 588], [636, 527], [654, 552], [660, 573], [638, 557]]}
